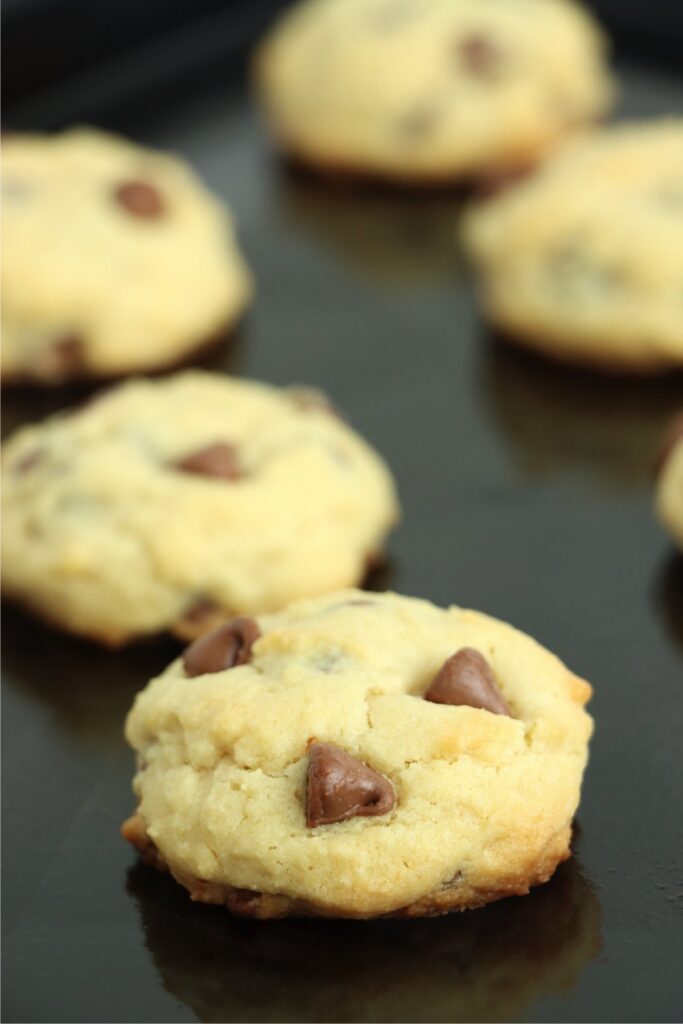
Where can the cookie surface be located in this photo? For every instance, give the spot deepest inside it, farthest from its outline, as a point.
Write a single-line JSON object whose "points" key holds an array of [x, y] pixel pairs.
{"points": [[584, 261], [423, 806], [669, 495], [429, 90], [166, 504], [117, 259]]}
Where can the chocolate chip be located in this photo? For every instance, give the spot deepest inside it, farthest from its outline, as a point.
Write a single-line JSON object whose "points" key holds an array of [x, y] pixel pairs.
{"points": [[140, 199], [216, 460], [480, 55], [466, 678], [340, 787], [31, 459], [226, 647], [672, 437], [60, 361]]}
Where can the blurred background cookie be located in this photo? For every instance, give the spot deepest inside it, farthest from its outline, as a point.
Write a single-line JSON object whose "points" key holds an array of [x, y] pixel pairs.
{"points": [[426, 90], [117, 259], [583, 261], [170, 504]]}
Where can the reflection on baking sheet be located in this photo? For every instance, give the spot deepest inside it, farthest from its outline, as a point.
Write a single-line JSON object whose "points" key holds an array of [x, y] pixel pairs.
{"points": [[395, 237], [555, 418], [87, 690], [479, 965]]}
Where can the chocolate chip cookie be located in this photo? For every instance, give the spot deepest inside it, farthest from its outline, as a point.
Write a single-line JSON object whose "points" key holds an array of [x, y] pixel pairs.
{"points": [[669, 496], [427, 91], [116, 259], [359, 755], [584, 260], [171, 504]]}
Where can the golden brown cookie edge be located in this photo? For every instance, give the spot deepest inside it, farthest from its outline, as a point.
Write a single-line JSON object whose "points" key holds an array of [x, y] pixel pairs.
{"points": [[268, 906]]}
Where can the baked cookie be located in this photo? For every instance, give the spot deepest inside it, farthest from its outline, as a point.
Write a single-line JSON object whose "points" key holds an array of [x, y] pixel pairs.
{"points": [[359, 755], [422, 91], [669, 498], [170, 504], [584, 261], [116, 259]]}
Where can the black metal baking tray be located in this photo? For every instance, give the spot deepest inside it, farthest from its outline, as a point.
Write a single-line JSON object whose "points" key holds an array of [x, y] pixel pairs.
{"points": [[527, 493]]}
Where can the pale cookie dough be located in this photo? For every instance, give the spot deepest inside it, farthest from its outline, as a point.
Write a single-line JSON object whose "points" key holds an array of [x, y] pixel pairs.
{"points": [[168, 504], [453, 752], [116, 259], [669, 495], [428, 91], [584, 261]]}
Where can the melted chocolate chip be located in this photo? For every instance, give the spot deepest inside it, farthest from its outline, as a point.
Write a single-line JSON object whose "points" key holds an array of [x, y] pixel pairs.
{"points": [[226, 647], [672, 437], [61, 360], [216, 460], [31, 459], [480, 55], [140, 199], [340, 787], [466, 678]]}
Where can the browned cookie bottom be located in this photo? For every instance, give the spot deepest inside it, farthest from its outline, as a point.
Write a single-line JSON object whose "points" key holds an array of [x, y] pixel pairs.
{"points": [[354, 178], [588, 358], [64, 364], [455, 895]]}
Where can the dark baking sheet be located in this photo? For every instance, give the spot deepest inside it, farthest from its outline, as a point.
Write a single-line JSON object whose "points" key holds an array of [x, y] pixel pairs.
{"points": [[527, 493]]}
